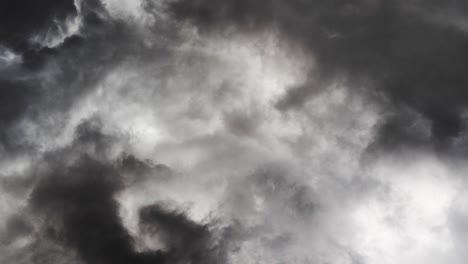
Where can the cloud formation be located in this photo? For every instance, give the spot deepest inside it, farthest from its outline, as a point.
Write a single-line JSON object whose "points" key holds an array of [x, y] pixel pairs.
{"points": [[233, 131]]}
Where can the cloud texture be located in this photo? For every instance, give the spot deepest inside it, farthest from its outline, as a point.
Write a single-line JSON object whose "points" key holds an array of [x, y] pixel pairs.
{"points": [[233, 131]]}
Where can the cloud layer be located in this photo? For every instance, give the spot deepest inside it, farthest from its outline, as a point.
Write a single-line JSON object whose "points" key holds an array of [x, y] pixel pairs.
{"points": [[233, 131]]}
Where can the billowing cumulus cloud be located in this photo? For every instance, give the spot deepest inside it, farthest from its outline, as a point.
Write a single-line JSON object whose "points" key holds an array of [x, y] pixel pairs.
{"points": [[233, 131]]}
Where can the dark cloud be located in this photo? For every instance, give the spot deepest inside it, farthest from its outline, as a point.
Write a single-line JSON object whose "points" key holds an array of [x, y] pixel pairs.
{"points": [[15, 99], [75, 198], [185, 239], [82, 197], [19, 20], [86, 114], [16, 227], [297, 96], [72, 68], [416, 61]]}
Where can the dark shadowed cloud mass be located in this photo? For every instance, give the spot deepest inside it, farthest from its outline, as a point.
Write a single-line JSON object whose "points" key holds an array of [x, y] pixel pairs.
{"points": [[233, 131]]}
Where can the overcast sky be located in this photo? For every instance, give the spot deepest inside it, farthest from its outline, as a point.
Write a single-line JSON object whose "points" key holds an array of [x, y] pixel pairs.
{"points": [[233, 131]]}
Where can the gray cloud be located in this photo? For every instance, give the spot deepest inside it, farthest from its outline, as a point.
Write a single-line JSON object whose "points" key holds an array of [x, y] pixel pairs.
{"points": [[232, 132], [416, 61]]}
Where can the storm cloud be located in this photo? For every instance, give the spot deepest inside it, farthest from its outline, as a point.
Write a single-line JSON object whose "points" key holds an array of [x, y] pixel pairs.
{"points": [[233, 131]]}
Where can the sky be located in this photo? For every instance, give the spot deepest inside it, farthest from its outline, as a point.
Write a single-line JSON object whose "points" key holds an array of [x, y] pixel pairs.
{"points": [[233, 131]]}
